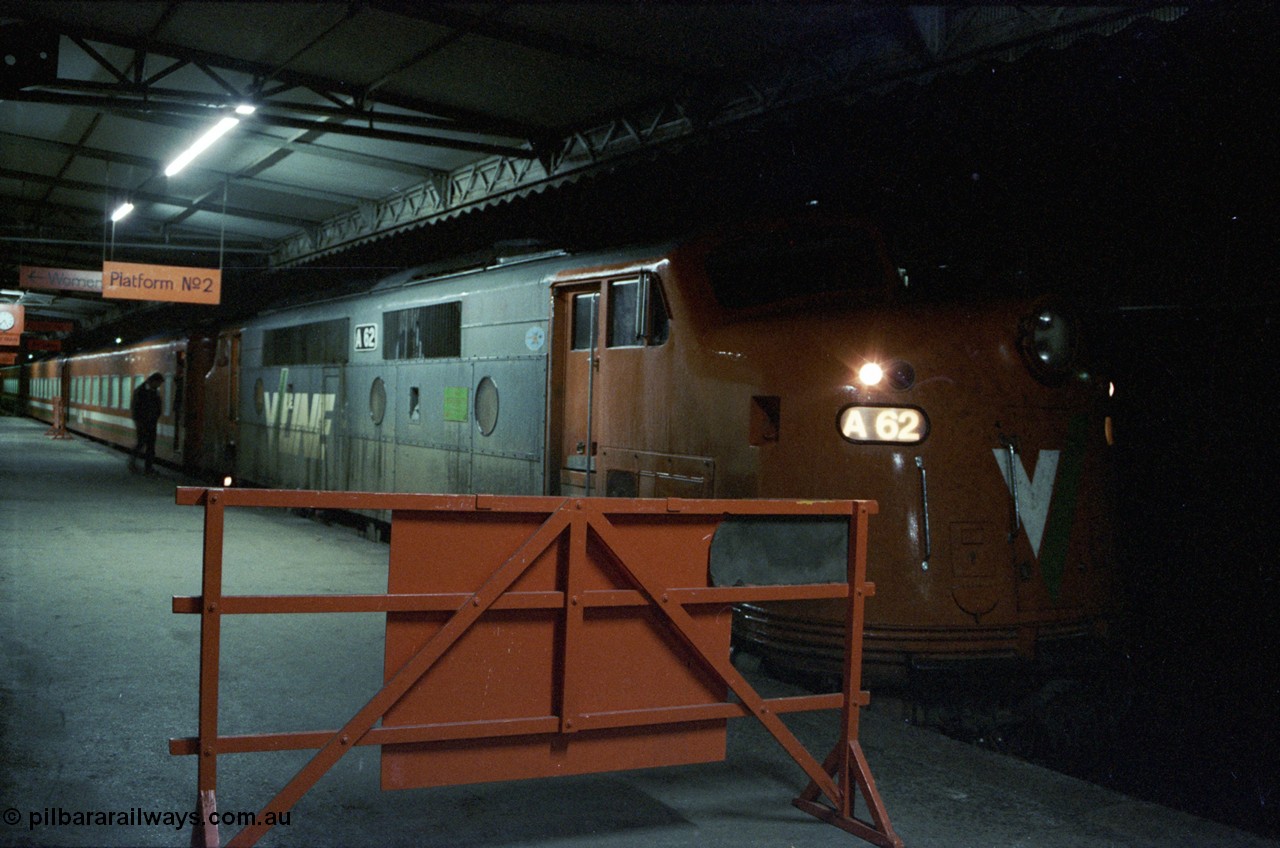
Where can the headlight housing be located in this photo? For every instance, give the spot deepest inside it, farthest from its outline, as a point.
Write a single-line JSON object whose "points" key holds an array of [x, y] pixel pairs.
{"points": [[1048, 340]]}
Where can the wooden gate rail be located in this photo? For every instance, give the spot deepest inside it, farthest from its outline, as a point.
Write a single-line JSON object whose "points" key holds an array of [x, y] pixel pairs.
{"points": [[586, 567]]}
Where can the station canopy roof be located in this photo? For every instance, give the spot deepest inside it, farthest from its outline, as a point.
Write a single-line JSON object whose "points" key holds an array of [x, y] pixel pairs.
{"points": [[373, 118]]}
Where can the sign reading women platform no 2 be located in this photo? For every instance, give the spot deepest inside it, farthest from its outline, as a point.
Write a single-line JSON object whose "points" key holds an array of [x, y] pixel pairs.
{"points": [[131, 281]]}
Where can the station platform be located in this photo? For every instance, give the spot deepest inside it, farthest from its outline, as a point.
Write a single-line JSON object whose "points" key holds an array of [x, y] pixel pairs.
{"points": [[97, 673]]}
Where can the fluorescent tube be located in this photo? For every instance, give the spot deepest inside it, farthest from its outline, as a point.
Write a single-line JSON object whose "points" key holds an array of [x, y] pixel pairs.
{"points": [[219, 130]]}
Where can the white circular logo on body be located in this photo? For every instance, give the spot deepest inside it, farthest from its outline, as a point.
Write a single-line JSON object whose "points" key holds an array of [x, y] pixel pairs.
{"points": [[535, 339]]}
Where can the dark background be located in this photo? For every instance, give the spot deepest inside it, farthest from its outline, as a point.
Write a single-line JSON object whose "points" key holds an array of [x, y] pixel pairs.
{"points": [[1136, 175]]}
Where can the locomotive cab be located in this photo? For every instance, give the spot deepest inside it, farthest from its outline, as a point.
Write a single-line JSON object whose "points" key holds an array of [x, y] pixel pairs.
{"points": [[972, 423]]}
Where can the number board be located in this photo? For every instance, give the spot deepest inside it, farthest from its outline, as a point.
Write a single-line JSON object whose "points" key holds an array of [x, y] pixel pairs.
{"points": [[366, 337], [884, 425]]}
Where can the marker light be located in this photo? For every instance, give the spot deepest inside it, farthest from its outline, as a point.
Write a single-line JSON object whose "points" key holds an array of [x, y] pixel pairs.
{"points": [[1048, 339], [227, 481], [902, 375], [870, 374]]}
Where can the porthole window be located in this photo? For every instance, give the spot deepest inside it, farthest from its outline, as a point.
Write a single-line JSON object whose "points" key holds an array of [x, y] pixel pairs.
{"points": [[378, 401], [259, 398], [486, 406]]}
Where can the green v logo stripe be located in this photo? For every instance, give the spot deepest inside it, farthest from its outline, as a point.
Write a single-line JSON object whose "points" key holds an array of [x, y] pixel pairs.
{"points": [[1046, 518], [1057, 537]]}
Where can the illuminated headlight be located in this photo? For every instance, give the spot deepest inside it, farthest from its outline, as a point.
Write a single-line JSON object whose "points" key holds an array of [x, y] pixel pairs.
{"points": [[870, 374], [1047, 339], [900, 375]]}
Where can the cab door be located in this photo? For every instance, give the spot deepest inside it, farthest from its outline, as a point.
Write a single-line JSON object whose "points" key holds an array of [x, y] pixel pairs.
{"points": [[577, 389], [612, 390]]}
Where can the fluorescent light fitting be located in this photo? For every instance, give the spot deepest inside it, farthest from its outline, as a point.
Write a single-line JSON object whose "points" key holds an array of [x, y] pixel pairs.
{"points": [[121, 211], [246, 109], [219, 130]]}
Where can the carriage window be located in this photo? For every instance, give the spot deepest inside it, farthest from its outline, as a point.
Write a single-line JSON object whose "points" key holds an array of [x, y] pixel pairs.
{"points": [[317, 343], [584, 320], [424, 332]]}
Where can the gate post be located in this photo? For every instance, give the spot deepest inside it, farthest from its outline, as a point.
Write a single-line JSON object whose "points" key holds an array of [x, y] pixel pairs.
{"points": [[204, 834], [847, 763]]}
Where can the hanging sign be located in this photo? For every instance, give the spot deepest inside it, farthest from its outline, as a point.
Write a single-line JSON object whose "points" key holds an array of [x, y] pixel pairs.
{"points": [[37, 326], [131, 281], [59, 279], [11, 321]]}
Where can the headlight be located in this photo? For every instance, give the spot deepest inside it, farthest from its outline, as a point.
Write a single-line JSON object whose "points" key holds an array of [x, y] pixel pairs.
{"points": [[1047, 339], [899, 374], [870, 374]]}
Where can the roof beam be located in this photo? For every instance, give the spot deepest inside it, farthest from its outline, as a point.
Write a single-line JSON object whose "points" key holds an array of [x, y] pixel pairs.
{"points": [[843, 75], [247, 177], [127, 100], [153, 197], [459, 119]]}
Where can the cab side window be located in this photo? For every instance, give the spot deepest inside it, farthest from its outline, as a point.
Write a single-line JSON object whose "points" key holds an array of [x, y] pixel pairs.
{"points": [[638, 315]]}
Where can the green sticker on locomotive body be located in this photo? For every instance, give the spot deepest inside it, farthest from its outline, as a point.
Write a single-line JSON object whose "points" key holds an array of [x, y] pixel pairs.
{"points": [[455, 403]]}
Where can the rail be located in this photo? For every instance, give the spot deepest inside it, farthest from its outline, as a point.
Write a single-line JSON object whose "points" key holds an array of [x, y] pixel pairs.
{"points": [[587, 580]]}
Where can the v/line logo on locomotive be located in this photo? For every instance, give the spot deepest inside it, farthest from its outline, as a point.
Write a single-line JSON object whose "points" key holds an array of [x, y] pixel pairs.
{"points": [[301, 421], [1032, 492]]}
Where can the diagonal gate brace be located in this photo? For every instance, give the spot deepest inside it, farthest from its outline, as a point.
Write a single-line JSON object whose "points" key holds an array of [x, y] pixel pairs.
{"points": [[588, 579]]}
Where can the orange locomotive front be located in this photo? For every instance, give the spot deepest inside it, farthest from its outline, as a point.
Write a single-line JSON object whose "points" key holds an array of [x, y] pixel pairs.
{"points": [[787, 362]]}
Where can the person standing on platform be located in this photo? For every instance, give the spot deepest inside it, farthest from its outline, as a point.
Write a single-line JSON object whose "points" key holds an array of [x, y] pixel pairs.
{"points": [[146, 415]]}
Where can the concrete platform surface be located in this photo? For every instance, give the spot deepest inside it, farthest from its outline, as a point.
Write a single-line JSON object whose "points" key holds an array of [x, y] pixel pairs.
{"points": [[96, 674]]}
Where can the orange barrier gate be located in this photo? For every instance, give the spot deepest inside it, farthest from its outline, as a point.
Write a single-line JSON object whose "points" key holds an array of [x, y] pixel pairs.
{"points": [[539, 597]]}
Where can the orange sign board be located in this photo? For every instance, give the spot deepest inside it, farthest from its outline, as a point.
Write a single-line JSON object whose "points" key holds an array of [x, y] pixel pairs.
{"points": [[131, 281], [59, 279], [11, 321], [38, 326], [8, 359]]}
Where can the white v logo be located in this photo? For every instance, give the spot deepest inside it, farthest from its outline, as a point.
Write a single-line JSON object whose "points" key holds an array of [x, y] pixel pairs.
{"points": [[1033, 494]]}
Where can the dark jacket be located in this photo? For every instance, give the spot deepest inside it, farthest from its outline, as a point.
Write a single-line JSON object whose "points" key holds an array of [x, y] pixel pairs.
{"points": [[146, 407]]}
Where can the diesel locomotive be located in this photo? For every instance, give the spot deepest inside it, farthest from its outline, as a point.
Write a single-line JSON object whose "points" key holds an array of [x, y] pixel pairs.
{"points": [[776, 360]]}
